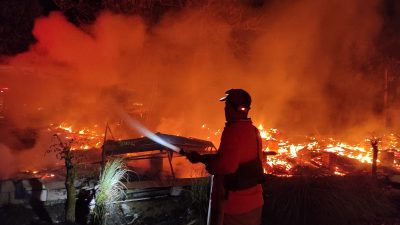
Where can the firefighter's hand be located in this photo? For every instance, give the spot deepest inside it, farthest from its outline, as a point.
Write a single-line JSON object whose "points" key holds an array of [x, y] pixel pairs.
{"points": [[209, 169], [194, 157]]}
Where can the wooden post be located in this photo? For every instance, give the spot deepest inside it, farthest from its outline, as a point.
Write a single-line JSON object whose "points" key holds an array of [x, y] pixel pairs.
{"points": [[103, 152], [170, 154], [374, 143]]}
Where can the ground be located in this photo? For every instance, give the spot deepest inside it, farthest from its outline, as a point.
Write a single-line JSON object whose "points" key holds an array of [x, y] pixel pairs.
{"points": [[295, 200]]}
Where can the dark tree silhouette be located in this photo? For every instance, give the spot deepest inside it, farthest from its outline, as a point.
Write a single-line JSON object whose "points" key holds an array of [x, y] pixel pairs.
{"points": [[63, 152]]}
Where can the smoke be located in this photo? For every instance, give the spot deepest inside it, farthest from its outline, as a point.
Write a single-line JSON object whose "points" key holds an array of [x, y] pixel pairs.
{"points": [[312, 53], [8, 162], [15, 158], [303, 62]]}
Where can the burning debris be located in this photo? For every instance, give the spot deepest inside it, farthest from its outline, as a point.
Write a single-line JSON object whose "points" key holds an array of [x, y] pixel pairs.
{"points": [[136, 62], [85, 137], [283, 156], [330, 156], [184, 54]]}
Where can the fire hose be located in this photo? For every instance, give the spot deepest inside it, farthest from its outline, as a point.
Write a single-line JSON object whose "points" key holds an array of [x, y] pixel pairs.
{"points": [[136, 125]]}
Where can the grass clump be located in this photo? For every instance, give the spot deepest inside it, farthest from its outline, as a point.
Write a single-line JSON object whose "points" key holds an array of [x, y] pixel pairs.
{"points": [[325, 200], [200, 193], [110, 189]]}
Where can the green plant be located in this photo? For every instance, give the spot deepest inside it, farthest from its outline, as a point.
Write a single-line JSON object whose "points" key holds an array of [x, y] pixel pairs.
{"points": [[110, 189], [200, 191]]}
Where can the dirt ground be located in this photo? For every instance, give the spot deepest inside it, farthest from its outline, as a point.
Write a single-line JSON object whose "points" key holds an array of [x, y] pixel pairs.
{"points": [[161, 210], [297, 201]]}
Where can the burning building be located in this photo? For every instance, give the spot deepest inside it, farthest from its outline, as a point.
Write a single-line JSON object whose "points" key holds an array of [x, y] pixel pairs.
{"points": [[301, 74], [323, 76]]}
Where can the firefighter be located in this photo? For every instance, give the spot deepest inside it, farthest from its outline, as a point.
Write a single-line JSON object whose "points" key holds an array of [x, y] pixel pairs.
{"points": [[237, 167]]}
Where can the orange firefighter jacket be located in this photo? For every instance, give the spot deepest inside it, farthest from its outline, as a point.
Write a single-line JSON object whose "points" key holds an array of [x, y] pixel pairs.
{"points": [[238, 145]]}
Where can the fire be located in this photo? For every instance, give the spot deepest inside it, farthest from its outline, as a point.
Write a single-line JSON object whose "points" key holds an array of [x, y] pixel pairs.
{"points": [[337, 172], [42, 174], [317, 153], [321, 154], [85, 138], [291, 154], [65, 127], [264, 134]]}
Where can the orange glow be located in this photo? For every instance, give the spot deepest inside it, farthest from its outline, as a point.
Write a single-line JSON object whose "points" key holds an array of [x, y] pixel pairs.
{"points": [[289, 154], [286, 151], [178, 67], [84, 138]]}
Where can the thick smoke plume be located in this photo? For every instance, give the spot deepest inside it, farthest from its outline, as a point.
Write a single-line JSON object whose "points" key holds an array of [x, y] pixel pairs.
{"points": [[303, 62]]}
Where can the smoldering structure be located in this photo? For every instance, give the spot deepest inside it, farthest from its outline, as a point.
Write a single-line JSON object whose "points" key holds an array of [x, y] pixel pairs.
{"points": [[312, 72]]}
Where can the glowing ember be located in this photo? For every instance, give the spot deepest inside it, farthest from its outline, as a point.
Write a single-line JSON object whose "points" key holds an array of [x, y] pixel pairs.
{"points": [[332, 156], [311, 152], [85, 138], [328, 154]]}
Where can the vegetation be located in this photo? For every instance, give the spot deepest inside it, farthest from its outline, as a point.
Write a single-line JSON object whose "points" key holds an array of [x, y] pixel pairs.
{"points": [[110, 189], [200, 191], [325, 200], [63, 152]]}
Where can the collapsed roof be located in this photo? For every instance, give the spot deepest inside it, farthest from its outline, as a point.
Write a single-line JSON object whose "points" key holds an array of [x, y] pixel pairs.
{"points": [[186, 144]]}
